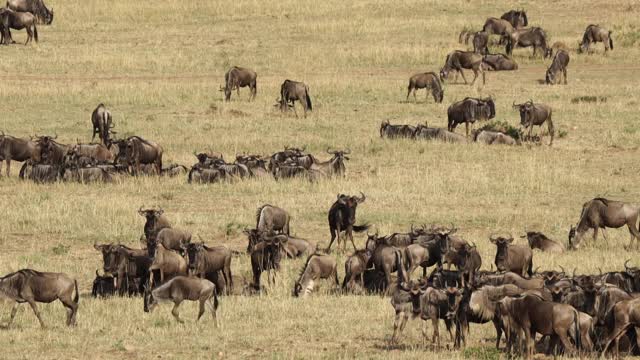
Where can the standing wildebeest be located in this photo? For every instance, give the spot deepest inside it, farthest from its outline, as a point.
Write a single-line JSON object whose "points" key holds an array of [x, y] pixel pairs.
{"points": [[427, 81], [183, 288], [102, 123], [272, 219], [48, 151], [601, 213], [593, 34], [559, 64], [458, 60], [103, 286], [140, 151], [535, 37], [535, 114], [468, 111], [396, 131], [626, 316], [428, 250], [495, 26], [155, 221], [538, 240], [356, 265], [514, 258], [204, 260], [266, 256], [317, 267], [500, 62], [10, 19], [32, 286], [238, 77], [342, 217], [335, 165], [290, 91], [480, 42], [12, 148], [168, 262], [36, 7], [386, 259], [517, 18]]}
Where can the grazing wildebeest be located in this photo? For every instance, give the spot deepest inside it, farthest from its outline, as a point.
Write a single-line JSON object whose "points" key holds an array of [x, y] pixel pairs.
{"points": [[356, 265], [342, 218], [594, 34], [517, 18], [36, 7], [469, 110], [154, 221], [396, 131], [499, 62], [103, 286], [10, 19], [16, 149], [515, 258], [495, 26], [335, 165], [558, 65], [601, 213], [427, 81], [101, 122], [538, 240], [292, 91], [140, 151], [204, 260], [32, 286], [493, 138], [272, 219], [458, 60], [183, 288], [530, 37], [238, 77], [317, 267], [535, 114]]}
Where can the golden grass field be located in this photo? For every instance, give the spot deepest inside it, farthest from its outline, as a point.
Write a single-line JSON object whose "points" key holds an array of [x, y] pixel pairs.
{"points": [[158, 66]]}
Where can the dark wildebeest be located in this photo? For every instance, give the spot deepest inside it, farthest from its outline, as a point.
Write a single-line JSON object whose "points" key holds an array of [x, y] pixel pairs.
{"points": [[39, 173], [32, 286], [493, 138], [85, 174], [535, 114], [48, 151], [335, 165], [183, 288], [266, 256], [204, 176], [129, 266], [10, 19], [356, 265], [342, 218], [538, 240], [103, 286], [427, 81], [292, 91], [534, 36], [154, 221], [396, 131], [466, 259], [558, 65], [140, 151], [517, 18], [500, 62], [601, 213], [514, 258], [101, 122], [12, 148], [469, 110], [458, 60], [204, 260], [317, 267], [238, 77], [594, 34], [272, 219], [495, 26], [36, 7]]}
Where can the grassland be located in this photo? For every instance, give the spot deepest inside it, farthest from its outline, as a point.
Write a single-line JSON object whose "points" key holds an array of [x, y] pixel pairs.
{"points": [[158, 65]]}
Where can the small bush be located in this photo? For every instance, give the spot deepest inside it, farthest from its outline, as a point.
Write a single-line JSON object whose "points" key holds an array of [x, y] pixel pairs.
{"points": [[60, 249], [503, 127]]}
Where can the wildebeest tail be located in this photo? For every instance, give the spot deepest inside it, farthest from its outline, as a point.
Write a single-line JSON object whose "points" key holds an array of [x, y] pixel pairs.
{"points": [[347, 272], [35, 32], [76, 299], [216, 303], [361, 228], [576, 327], [610, 40], [306, 94], [400, 267]]}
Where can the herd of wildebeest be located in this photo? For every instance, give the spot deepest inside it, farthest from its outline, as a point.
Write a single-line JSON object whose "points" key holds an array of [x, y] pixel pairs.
{"points": [[574, 313]]}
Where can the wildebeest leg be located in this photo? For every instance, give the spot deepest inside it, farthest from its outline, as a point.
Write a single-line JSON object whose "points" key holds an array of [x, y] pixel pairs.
{"points": [[564, 72], [463, 78], [333, 237], [174, 311], [424, 332], [475, 75], [466, 123], [409, 93], [8, 167], [436, 332], [212, 307], [398, 325], [293, 105], [201, 310], [352, 243], [498, 327], [29, 34], [14, 310], [32, 303]]}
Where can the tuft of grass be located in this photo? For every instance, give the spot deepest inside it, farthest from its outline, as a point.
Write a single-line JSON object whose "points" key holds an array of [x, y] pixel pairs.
{"points": [[481, 353], [60, 249]]}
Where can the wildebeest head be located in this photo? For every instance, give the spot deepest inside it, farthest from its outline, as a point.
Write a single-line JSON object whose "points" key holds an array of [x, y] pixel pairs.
{"points": [[351, 201], [151, 215], [253, 236], [109, 257], [454, 296], [502, 245], [634, 273], [415, 289], [552, 276], [195, 252], [526, 112], [584, 282]]}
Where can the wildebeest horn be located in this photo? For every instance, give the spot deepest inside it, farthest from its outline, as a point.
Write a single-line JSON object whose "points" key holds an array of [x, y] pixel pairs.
{"points": [[330, 152], [492, 238], [474, 244], [55, 136], [97, 274], [347, 151], [625, 265], [362, 198], [573, 274], [600, 270], [561, 268], [140, 210], [536, 270]]}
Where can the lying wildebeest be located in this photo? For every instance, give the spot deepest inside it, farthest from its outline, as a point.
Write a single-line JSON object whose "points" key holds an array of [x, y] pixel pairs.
{"points": [[271, 218], [281, 156], [495, 26], [335, 165], [39, 173], [396, 131], [517, 18], [499, 62], [534, 36], [535, 114], [427, 133], [10, 19], [36, 7], [292, 91], [458, 60], [317, 267], [515, 258], [342, 218], [289, 169], [140, 151], [594, 34], [469, 110], [101, 122], [238, 77], [103, 286], [427, 81], [32, 286], [204, 260], [86, 175], [183, 288], [493, 138], [538, 240], [558, 65], [601, 213], [16, 149], [204, 176], [208, 159]]}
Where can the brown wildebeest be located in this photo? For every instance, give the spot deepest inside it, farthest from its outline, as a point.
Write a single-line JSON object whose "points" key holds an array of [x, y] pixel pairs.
{"points": [[129, 266], [99, 152], [535, 114], [468, 111], [495, 26], [558, 65], [16, 149], [32, 286], [292, 91], [317, 267], [517, 18], [170, 238], [272, 219], [101, 122], [427, 81], [49, 151], [266, 256], [36, 7], [429, 133], [356, 264], [396, 131], [458, 60], [499, 62], [538, 240], [296, 247], [39, 173], [493, 138], [154, 221], [183, 288], [238, 77], [530, 37], [10, 19], [140, 151], [204, 176], [626, 315], [466, 259], [335, 165], [601, 213], [515, 258], [342, 218], [428, 250], [386, 258], [86, 175], [204, 261], [594, 34], [168, 262], [480, 42]]}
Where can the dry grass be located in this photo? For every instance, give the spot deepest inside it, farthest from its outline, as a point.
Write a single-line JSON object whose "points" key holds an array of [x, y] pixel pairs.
{"points": [[158, 67]]}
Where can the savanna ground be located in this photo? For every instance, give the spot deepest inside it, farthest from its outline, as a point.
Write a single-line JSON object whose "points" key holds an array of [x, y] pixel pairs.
{"points": [[158, 65]]}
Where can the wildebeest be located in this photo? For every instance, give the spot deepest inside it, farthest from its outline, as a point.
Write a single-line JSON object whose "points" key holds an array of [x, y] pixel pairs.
{"points": [[335, 165], [396, 131], [204, 176], [538, 240], [429, 133], [469, 110], [140, 151], [601, 213], [86, 174], [466, 259], [558, 65], [626, 315], [10, 19], [495, 26], [39, 173], [49, 151], [499, 62], [103, 286], [428, 250], [271, 219], [493, 138], [238, 77], [458, 60], [427, 81], [32, 286], [36, 7], [480, 42], [317, 267], [535, 114], [129, 266], [593, 34], [342, 218], [515, 258], [534, 37], [16, 149], [154, 221], [292, 91], [517, 18], [356, 264], [183, 288], [266, 256], [170, 238], [101, 121], [168, 262], [204, 260], [99, 152], [386, 258]]}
